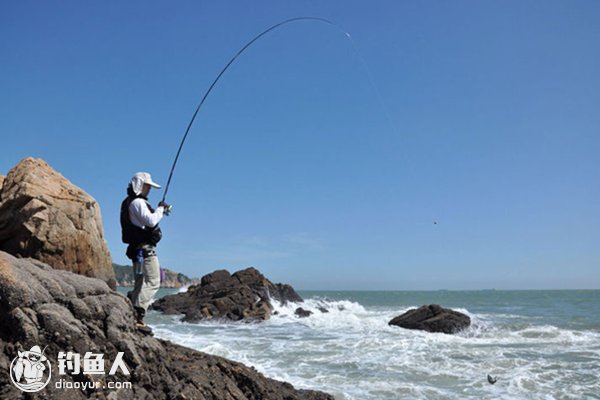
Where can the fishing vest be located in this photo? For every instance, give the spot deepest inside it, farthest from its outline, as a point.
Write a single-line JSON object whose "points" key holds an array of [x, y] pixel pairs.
{"points": [[133, 235]]}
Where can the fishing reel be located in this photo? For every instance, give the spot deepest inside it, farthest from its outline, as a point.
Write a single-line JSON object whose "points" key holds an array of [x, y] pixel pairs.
{"points": [[166, 207]]}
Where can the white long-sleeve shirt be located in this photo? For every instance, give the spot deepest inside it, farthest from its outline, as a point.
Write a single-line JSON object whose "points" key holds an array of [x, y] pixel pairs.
{"points": [[140, 215]]}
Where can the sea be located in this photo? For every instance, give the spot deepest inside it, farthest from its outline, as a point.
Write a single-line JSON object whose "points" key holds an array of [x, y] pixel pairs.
{"points": [[537, 344]]}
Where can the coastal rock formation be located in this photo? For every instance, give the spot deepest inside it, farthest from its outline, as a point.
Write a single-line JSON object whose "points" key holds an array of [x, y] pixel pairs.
{"points": [[46, 217], [2, 177], [245, 295], [172, 279], [432, 318], [42, 306], [302, 313]]}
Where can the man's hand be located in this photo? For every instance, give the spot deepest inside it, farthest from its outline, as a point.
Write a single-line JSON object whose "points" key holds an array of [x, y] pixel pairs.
{"points": [[166, 206]]}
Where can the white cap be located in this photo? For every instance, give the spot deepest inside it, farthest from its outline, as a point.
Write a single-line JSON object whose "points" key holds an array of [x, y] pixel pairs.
{"points": [[138, 180], [35, 350]]}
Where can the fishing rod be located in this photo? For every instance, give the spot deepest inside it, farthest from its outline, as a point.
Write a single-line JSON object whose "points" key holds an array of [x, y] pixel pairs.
{"points": [[189, 126]]}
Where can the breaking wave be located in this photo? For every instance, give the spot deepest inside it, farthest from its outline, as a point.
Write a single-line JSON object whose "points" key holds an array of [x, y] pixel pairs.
{"points": [[350, 351]]}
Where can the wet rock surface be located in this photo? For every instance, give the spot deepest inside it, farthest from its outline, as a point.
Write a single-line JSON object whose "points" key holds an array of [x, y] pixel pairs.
{"points": [[46, 217], [64, 311], [244, 295], [432, 318], [302, 313]]}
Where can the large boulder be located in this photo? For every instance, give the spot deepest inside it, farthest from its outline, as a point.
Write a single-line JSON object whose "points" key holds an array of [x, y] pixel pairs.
{"points": [[245, 295], [41, 306], [46, 217], [432, 318]]}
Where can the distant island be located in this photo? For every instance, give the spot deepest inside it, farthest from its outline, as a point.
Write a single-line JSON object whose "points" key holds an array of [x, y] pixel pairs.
{"points": [[124, 277]]}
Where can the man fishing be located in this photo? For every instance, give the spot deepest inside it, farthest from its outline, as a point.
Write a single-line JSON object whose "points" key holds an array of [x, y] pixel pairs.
{"points": [[30, 365], [139, 221], [140, 230]]}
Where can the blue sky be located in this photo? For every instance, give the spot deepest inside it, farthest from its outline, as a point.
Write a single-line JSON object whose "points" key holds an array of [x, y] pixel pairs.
{"points": [[481, 116]]}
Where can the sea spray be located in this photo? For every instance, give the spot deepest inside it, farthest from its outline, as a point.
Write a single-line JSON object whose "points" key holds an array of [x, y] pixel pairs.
{"points": [[351, 351]]}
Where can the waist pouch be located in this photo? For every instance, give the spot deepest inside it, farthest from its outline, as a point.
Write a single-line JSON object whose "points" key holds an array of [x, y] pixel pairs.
{"points": [[148, 251]]}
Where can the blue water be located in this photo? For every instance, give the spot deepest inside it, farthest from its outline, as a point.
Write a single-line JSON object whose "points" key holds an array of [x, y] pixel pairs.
{"points": [[540, 345]]}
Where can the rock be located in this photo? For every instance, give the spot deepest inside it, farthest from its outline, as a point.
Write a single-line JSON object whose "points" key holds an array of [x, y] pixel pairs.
{"points": [[302, 313], [322, 309], [46, 217], [245, 295], [432, 318], [214, 277], [284, 293], [172, 279], [64, 311], [2, 177]]}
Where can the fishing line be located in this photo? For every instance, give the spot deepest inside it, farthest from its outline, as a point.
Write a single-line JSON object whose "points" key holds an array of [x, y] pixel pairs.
{"points": [[318, 19]]}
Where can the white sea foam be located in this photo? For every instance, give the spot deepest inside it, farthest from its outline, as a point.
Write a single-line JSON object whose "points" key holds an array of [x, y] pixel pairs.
{"points": [[183, 289], [351, 352]]}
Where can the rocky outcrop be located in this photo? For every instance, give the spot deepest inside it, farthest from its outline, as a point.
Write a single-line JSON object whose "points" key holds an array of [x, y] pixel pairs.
{"points": [[171, 279], [432, 318], [2, 177], [46, 217], [41, 306], [302, 313], [245, 295]]}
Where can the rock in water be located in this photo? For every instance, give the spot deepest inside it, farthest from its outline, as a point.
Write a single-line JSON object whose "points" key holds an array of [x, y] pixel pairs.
{"points": [[46, 217], [432, 318], [302, 313], [42, 306], [245, 295]]}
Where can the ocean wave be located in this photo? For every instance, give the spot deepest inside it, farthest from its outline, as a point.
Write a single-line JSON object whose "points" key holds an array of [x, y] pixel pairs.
{"points": [[183, 289], [352, 352]]}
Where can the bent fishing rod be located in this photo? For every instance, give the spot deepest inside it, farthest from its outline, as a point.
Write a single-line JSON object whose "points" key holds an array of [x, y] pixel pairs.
{"points": [[257, 37]]}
